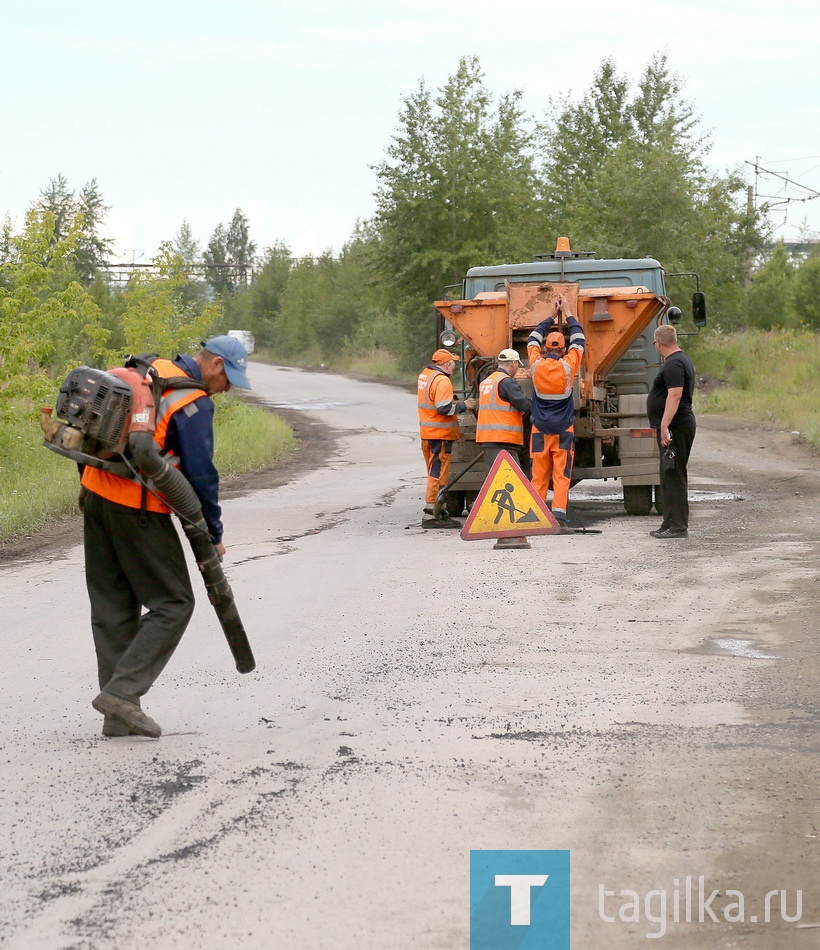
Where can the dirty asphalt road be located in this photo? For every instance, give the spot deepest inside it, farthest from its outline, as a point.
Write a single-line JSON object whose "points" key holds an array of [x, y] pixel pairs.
{"points": [[651, 706]]}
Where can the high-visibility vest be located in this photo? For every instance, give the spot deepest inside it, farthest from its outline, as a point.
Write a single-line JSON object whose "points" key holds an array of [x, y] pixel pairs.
{"points": [[435, 386], [129, 491], [498, 421], [552, 378]]}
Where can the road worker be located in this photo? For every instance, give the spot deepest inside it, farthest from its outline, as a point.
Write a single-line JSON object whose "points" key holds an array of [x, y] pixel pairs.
{"points": [[438, 429], [554, 366], [135, 569], [502, 411]]}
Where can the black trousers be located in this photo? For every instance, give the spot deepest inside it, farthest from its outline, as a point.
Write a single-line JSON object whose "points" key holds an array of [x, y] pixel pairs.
{"points": [[134, 560], [675, 482]]}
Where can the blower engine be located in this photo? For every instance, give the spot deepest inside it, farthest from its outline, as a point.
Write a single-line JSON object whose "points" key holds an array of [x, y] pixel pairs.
{"points": [[99, 410], [107, 420]]}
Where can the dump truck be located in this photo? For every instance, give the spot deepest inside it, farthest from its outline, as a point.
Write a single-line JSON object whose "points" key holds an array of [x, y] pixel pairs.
{"points": [[619, 303]]}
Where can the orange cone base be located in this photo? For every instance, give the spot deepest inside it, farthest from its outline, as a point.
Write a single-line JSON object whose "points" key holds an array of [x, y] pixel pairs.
{"points": [[512, 544]]}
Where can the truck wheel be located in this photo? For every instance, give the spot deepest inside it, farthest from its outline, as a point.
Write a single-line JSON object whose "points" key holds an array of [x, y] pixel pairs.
{"points": [[658, 499], [638, 499], [455, 503], [471, 497]]}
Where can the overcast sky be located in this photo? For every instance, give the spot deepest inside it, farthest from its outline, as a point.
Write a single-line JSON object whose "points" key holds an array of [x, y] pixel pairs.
{"points": [[190, 109]]}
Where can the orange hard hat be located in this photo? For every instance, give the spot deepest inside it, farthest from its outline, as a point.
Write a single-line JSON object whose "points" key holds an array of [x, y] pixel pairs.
{"points": [[555, 340]]}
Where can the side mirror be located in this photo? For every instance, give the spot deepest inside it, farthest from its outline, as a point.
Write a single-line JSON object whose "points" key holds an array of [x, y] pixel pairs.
{"points": [[673, 315], [699, 309]]}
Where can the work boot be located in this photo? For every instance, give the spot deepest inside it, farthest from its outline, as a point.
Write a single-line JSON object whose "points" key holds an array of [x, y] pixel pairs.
{"points": [[115, 728], [669, 533], [127, 712], [564, 524]]}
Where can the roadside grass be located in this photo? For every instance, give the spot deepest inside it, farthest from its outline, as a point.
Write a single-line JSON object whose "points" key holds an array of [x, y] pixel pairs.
{"points": [[38, 487], [766, 376]]}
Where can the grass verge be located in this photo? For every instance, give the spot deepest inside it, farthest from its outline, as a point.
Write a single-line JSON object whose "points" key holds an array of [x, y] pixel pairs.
{"points": [[767, 376], [38, 487]]}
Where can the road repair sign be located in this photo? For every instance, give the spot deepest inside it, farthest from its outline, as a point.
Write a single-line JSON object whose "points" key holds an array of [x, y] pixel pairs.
{"points": [[508, 506]]}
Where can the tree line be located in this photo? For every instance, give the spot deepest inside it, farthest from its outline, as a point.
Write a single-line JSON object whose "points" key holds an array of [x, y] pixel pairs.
{"points": [[466, 179]]}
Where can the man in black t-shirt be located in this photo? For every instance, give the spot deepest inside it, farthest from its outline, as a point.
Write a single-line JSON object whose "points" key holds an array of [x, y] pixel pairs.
{"points": [[669, 407]]}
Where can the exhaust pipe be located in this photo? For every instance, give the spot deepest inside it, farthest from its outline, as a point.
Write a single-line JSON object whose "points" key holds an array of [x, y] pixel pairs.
{"points": [[176, 488]]}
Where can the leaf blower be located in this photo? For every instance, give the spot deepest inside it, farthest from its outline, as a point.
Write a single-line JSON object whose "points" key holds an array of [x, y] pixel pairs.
{"points": [[106, 419]]}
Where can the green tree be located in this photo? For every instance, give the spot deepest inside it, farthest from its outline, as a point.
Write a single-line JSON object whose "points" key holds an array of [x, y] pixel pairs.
{"points": [[241, 250], [83, 215], [186, 245], [296, 330], [806, 292], [457, 188], [579, 137], [230, 253], [769, 298], [48, 322], [257, 308], [159, 316], [646, 190], [216, 257]]}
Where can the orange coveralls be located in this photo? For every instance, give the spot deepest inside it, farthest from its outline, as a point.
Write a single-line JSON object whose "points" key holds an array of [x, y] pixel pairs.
{"points": [[552, 442], [438, 428]]}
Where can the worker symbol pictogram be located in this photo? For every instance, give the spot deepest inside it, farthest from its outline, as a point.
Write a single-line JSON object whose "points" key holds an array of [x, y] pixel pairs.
{"points": [[503, 499], [507, 506]]}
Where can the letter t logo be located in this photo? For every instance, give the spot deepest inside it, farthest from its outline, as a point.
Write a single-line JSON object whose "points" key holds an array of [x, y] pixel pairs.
{"points": [[519, 885]]}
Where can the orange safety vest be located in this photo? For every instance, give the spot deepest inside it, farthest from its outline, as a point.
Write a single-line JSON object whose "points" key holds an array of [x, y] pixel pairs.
{"points": [[435, 386], [498, 421], [128, 491], [552, 379]]}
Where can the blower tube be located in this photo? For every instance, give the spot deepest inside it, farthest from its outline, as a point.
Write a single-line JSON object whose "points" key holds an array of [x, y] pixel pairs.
{"points": [[176, 488]]}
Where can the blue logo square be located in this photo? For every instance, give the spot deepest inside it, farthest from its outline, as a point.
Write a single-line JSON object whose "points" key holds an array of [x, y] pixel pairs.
{"points": [[519, 899]]}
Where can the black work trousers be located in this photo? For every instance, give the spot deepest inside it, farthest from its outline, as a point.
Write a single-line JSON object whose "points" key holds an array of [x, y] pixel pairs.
{"points": [[134, 560], [675, 481]]}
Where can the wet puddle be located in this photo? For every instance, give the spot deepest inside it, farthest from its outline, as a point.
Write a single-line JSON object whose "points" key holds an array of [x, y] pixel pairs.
{"points": [[617, 496], [303, 406], [745, 647]]}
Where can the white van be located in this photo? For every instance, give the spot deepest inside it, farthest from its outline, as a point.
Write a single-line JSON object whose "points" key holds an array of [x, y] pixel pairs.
{"points": [[245, 337]]}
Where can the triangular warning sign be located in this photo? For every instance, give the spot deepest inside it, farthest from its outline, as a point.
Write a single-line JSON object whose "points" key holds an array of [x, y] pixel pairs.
{"points": [[507, 506]]}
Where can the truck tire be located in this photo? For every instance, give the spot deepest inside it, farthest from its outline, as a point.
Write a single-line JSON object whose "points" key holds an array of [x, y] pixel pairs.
{"points": [[658, 499], [455, 503], [638, 499]]}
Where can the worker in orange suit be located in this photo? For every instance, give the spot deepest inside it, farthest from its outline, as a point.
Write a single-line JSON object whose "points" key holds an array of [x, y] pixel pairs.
{"points": [[438, 429], [554, 364]]}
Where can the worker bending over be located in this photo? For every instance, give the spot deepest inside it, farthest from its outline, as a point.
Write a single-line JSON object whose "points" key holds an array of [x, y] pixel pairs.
{"points": [[554, 366]]}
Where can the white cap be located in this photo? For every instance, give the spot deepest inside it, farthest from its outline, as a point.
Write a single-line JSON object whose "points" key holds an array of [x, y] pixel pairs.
{"points": [[508, 356]]}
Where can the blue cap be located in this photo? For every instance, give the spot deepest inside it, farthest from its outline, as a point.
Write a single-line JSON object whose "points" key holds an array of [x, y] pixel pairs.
{"points": [[235, 356]]}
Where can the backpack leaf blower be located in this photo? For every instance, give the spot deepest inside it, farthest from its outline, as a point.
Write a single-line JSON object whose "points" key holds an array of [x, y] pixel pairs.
{"points": [[107, 420]]}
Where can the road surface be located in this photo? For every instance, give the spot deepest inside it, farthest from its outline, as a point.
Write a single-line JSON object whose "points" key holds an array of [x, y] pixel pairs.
{"points": [[652, 707]]}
